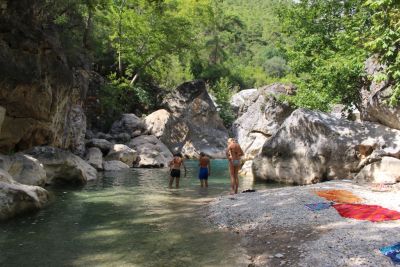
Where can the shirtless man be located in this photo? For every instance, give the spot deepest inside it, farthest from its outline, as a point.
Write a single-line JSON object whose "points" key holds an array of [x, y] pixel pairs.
{"points": [[205, 169], [233, 153], [175, 169]]}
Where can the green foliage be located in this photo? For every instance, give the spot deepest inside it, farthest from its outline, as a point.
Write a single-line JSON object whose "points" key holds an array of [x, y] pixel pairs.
{"points": [[223, 91]]}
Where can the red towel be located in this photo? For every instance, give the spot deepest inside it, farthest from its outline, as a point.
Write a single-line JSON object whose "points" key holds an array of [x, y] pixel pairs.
{"points": [[371, 213]]}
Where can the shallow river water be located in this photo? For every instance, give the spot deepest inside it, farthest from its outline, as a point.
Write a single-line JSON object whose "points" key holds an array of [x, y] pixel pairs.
{"points": [[126, 219]]}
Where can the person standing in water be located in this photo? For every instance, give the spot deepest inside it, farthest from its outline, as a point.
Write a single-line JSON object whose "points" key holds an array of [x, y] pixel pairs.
{"points": [[233, 153], [205, 169], [175, 169]]}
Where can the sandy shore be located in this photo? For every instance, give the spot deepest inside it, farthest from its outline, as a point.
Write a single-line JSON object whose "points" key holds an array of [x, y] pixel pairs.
{"points": [[276, 229]]}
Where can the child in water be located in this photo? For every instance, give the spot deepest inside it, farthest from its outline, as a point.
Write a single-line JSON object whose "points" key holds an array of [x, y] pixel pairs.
{"points": [[205, 169], [175, 169]]}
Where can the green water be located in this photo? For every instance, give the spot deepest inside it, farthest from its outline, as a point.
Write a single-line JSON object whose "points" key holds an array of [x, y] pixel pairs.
{"points": [[125, 219]]}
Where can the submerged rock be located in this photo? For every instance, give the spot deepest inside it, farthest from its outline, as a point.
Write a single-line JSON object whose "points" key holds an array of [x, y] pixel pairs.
{"points": [[151, 152], [16, 198], [63, 166], [313, 146]]}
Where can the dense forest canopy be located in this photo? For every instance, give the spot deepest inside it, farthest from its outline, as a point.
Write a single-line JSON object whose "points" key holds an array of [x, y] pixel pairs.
{"points": [[318, 45]]}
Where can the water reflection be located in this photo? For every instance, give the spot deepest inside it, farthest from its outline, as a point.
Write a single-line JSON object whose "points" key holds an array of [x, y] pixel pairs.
{"points": [[127, 218]]}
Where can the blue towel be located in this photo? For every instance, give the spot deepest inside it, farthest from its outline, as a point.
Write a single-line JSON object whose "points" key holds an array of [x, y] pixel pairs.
{"points": [[318, 206], [392, 252]]}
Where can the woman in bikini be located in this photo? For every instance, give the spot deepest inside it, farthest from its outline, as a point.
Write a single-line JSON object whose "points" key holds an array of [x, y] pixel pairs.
{"points": [[175, 169], [233, 153]]}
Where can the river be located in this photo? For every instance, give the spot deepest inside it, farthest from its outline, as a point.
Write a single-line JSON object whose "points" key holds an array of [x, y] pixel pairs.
{"points": [[127, 218]]}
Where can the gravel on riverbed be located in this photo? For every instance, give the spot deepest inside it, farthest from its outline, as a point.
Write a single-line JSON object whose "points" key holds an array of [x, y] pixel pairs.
{"points": [[278, 230]]}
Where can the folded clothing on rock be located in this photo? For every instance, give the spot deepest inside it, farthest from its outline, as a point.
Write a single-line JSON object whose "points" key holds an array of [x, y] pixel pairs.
{"points": [[319, 206], [340, 196], [392, 252], [371, 213]]}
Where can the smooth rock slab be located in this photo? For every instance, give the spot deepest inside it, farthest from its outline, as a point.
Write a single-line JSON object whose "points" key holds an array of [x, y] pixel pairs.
{"points": [[385, 171], [122, 153], [114, 165], [94, 157]]}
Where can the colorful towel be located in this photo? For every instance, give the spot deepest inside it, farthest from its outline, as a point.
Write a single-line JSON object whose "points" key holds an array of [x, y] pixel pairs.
{"points": [[318, 206], [371, 213], [392, 252], [340, 196]]}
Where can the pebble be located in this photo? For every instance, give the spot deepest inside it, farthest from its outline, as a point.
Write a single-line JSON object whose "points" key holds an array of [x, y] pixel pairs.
{"points": [[279, 255]]}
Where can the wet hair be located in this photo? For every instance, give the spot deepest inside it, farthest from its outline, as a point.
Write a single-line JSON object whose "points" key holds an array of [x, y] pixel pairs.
{"points": [[178, 155], [202, 154]]}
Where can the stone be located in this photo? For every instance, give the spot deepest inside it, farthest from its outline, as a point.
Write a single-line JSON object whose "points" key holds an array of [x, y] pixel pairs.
{"points": [[94, 157], [242, 100], [313, 146], [63, 166], [279, 255], [122, 153], [129, 123], [246, 168], [190, 122], [102, 144], [374, 96], [77, 130], [151, 152], [2, 115], [16, 198], [262, 118], [24, 169], [386, 171], [122, 137], [114, 165]]}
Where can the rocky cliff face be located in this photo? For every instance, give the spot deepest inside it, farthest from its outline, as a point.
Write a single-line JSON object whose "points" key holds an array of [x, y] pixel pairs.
{"points": [[40, 90]]}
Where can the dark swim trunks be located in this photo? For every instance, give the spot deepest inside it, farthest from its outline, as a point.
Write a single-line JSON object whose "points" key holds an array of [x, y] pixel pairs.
{"points": [[203, 174], [176, 173]]}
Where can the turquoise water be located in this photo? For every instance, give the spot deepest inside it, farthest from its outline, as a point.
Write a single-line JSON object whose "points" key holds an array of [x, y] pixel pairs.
{"points": [[127, 218]]}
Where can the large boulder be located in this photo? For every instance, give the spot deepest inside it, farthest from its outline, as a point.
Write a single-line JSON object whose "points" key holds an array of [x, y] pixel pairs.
{"points": [[190, 122], [151, 152], [94, 157], [242, 100], [374, 96], [77, 130], [114, 165], [261, 119], [313, 146], [24, 169], [101, 144], [63, 166], [16, 198], [39, 83], [386, 170], [130, 124], [122, 153]]}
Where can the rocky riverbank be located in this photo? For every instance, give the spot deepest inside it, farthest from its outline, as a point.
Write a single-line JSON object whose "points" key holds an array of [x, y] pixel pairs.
{"points": [[278, 230]]}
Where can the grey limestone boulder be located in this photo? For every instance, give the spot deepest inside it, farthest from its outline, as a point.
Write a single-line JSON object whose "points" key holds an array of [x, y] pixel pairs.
{"points": [[130, 124], [122, 153], [94, 157], [387, 170], [63, 166], [24, 169], [16, 198], [242, 100], [151, 152], [102, 144], [114, 165], [312, 146]]}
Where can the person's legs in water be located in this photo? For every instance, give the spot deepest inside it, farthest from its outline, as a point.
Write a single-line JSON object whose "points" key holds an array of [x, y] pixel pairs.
{"points": [[177, 182], [171, 181], [201, 183], [206, 182]]}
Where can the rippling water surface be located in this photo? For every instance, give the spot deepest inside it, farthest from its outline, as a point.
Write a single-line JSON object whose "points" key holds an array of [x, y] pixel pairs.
{"points": [[127, 218]]}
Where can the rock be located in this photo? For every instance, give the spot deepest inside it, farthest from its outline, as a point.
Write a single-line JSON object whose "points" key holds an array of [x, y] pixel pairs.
{"points": [[102, 144], [39, 82], [279, 255], [122, 153], [151, 152], [374, 98], [94, 157], [16, 198], [242, 100], [130, 124], [312, 146], [261, 120], [24, 169], [63, 166], [386, 170], [2, 115], [77, 130], [105, 136], [246, 169], [114, 165], [190, 122], [122, 137]]}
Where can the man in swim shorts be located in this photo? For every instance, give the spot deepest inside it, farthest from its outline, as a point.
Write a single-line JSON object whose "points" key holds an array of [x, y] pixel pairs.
{"points": [[175, 169], [205, 169], [233, 153]]}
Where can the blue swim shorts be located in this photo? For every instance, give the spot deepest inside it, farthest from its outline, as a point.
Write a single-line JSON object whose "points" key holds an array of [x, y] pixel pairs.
{"points": [[203, 174]]}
